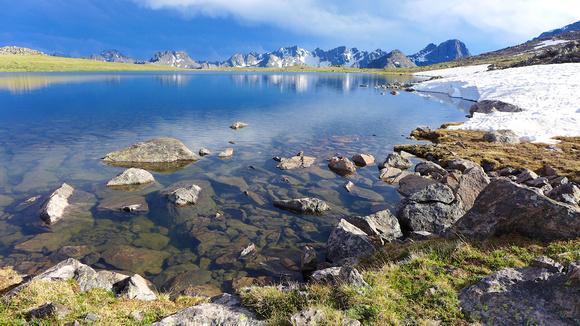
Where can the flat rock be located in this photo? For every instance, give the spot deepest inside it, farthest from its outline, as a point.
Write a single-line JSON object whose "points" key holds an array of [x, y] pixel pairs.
{"points": [[52, 209], [295, 162], [346, 240], [363, 160], [303, 205], [131, 176], [238, 125], [129, 204], [158, 150], [412, 183], [505, 207], [393, 175], [428, 168], [181, 195]]}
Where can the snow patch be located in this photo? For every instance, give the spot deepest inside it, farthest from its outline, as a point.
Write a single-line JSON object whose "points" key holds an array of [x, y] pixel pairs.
{"points": [[549, 43]]}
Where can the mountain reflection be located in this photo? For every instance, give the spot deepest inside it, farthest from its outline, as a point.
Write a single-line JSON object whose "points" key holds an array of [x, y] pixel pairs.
{"points": [[28, 82]]}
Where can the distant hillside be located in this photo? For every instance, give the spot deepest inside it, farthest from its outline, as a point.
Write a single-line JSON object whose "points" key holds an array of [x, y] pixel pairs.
{"points": [[394, 59], [111, 56], [446, 51], [571, 27], [15, 50]]}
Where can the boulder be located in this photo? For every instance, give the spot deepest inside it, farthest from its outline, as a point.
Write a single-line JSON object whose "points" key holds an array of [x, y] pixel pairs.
{"points": [[398, 161], [341, 166], [382, 225], [131, 176], [228, 152], [50, 310], [432, 209], [526, 175], [413, 183], [467, 185], [461, 164], [298, 161], [505, 207], [430, 169], [568, 193], [504, 137], [310, 316], [181, 195], [521, 296], [392, 175], [308, 260], [303, 205], [489, 106], [52, 209], [326, 275], [363, 160], [135, 287], [238, 125], [158, 150], [211, 314], [346, 240]]}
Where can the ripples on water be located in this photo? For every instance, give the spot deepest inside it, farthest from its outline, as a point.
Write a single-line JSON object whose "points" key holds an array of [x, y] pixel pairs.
{"points": [[55, 127]]}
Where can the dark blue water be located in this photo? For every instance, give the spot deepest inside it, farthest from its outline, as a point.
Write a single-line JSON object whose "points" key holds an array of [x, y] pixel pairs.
{"points": [[55, 127]]}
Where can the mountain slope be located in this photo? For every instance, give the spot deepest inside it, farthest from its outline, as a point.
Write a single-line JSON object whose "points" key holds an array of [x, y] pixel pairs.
{"points": [[394, 59], [571, 27], [177, 59], [446, 51], [111, 56]]}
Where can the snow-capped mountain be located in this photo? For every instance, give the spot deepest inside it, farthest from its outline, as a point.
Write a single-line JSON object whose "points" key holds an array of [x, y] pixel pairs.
{"points": [[567, 28], [178, 59], [394, 59], [446, 51]]}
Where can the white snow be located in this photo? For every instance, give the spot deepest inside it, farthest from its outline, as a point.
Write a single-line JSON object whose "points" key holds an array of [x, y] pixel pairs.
{"points": [[547, 94], [550, 42]]}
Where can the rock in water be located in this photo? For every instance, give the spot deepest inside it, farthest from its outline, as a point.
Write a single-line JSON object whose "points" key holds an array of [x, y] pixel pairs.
{"points": [[132, 176], [182, 195], [505, 207], [239, 125], [398, 161], [363, 160], [303, 205], [158, 150], [346, 240], [204, 151], [228, 152], [341, 166], [298, 161], [52, 209]]}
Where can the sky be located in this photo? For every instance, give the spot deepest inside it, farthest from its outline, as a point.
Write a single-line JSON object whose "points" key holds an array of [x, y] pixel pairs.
{"points": [[216, 29]]}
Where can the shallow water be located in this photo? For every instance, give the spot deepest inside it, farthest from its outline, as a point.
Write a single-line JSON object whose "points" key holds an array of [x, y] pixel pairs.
{"points": [[55, 127]]}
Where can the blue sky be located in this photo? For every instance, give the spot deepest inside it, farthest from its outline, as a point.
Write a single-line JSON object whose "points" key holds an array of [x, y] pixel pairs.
{"points": [[216, 29]]}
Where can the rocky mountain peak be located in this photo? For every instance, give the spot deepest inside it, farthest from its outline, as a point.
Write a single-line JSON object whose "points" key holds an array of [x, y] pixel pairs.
{"points": [[571, 27], [16, 50], [446, 51]]}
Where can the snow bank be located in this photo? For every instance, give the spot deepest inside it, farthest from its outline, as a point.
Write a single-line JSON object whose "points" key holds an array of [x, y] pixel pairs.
{"points": [[548, 94]]}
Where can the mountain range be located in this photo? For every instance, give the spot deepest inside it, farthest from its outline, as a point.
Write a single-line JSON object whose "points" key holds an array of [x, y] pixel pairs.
{"points": [[294, 55], [571, 27]]}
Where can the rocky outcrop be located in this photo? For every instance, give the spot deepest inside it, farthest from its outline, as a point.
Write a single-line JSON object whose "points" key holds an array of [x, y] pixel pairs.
{"points": [[298, 161], [52, 209], [132, 176], [158, 150], [16, 50], [489, 106], [341, 166], [178, 59], [505, 207], [303, 205], [181, 195], [346, 240], [382, 225], [519, 296]]}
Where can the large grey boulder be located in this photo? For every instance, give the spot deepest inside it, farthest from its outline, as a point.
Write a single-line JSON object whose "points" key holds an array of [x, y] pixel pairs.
{"points": [[398, 161], [341, 166], [182, 195], [382, 225], [346, 240], [52, 209], [489, 106], [131, 176], [467, 184], [303, 205], [505, 207], [392, 175], [433, 209], [158, 150], [504, 137], [522, 296], [412, 183], [211, 314], [295, 162], [135, 287], [428, 168]]}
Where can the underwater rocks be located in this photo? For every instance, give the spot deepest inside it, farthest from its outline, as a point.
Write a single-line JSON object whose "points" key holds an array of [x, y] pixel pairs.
{"points": [[52, 209], [298, 161], [132, 176], [303, 205], [158, 150], [182, 195]]}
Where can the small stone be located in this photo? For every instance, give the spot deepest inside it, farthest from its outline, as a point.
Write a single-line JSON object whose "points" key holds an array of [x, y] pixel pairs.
{"points": [[308, 259], [182, 195], [348, 185], [204, 151]]}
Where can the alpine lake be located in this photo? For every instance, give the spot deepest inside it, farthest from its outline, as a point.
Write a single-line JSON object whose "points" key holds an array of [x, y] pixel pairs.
{"points": [[56, 127]]}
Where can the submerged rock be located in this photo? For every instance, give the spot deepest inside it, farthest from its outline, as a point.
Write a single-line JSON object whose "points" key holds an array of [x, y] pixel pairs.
{"points": [[298, 161], [341, 166], [52, 209], [228, 152], [158, 150], [238, 125], [182, 195], [132, 176], [303, 205]]}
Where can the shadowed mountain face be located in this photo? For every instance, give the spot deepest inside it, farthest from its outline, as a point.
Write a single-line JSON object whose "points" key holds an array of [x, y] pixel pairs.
{"points": [[394, 59], [446, 51]]}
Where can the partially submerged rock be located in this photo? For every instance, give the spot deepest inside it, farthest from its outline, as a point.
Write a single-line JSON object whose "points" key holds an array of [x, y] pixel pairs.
{"points": [[398, 161], [238, 125], [131, 176], [303, 205], [298, 161], [341, 166], [346, 240], [204, 151], [158, 150], [52, 209], [228, 152], [363, 160], [182, 195]]}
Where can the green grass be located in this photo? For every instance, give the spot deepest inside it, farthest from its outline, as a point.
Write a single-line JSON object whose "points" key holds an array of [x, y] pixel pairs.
{"points": [[31, 63]]}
